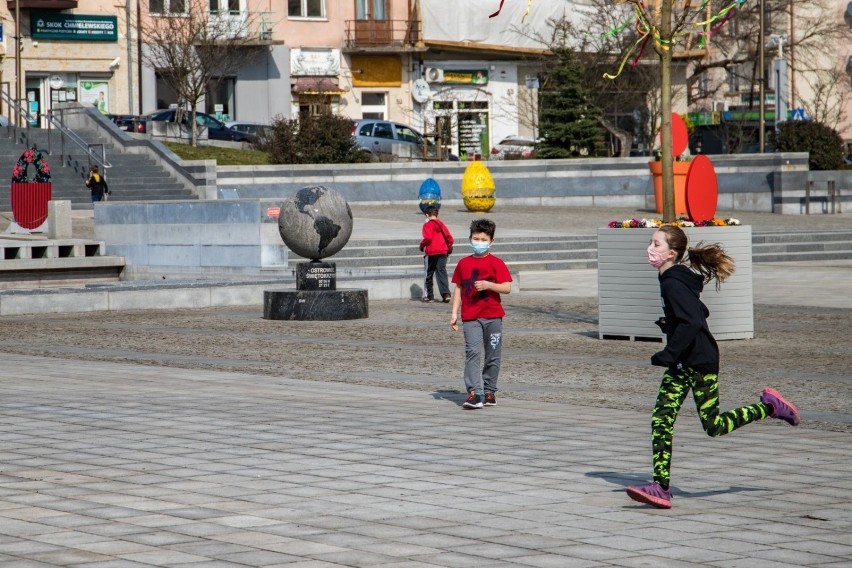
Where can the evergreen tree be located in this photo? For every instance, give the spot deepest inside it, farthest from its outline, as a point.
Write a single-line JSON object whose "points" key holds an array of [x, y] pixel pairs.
{"points": [[568, 118]]}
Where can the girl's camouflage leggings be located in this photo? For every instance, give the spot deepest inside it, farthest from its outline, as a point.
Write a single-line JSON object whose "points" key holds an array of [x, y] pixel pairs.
{"points": [[705, 390]]}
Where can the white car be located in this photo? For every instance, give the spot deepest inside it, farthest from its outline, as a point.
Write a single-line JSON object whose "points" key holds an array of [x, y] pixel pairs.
{"points": [[514, 148]]}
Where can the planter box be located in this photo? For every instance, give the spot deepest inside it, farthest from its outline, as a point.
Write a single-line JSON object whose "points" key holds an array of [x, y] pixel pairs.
{"points": [[29, 203], [629, 291]]}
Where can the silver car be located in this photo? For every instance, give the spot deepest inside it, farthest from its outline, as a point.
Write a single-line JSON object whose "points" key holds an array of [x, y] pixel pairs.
{"points": [[392, 141]]}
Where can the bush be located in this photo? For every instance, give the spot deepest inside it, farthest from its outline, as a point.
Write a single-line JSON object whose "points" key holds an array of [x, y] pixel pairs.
{"points": [[824, 144], [323, 139]]}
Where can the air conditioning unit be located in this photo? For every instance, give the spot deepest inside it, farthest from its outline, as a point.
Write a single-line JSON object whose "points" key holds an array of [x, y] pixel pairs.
{"points": [[720, 106], [433, 75]]}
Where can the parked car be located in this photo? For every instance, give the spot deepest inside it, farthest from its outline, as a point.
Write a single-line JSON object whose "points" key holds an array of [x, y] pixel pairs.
{"points": [[514, 148], [391, 140], [260, 130], [125, 122], [216, 129]]}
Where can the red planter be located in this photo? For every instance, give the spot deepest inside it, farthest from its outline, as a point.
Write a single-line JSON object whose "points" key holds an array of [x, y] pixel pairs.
{"points": [[29, 203]]}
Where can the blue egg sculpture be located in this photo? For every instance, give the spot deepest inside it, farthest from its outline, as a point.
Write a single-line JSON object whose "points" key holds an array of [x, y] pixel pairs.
{"points": [[430, 194]]}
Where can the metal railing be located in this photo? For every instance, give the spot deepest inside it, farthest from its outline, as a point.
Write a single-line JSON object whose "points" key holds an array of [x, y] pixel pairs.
{"points": [[381, 33], [831, 196], [17, 114]]}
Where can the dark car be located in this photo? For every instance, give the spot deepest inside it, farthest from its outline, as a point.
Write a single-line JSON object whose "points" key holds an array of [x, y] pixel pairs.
{"points": [[125, 122], [216, 129], [261, 130]]}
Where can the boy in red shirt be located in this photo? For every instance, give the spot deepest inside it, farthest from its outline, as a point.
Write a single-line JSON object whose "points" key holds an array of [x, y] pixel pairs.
{"points": [[437, 244], [480, 279]]}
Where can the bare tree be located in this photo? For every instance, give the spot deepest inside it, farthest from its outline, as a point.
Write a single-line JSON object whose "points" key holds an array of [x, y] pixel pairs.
{"points": [[625, 105], [733, 51], [198, 48]]}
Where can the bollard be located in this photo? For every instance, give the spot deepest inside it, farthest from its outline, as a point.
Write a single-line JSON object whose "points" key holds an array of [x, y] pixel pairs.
{"points": [[59, 219]]}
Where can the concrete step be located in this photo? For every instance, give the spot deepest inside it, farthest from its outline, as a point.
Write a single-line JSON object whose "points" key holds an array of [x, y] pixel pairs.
{"points": [[560, 253], [31, 261]]}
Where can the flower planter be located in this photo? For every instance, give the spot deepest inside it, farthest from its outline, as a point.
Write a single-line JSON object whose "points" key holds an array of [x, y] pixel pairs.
{"points": [[680, 171], [29, 203], [629, 292]]}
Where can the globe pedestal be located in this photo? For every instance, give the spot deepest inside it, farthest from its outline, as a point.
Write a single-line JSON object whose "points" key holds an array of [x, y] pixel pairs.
{"points": [[316, 297]]}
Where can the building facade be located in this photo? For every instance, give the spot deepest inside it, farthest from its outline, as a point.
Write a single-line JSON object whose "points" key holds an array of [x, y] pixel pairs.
{"points": [[57, 51]]}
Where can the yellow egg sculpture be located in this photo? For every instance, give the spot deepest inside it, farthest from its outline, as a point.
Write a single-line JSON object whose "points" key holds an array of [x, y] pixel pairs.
{"points": [[477, 188]]}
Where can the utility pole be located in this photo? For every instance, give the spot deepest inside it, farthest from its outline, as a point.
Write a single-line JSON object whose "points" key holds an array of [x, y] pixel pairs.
{"points": [[761, 40], [18, 50]]}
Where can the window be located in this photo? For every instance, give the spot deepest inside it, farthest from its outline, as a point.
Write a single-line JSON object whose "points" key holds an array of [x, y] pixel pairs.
{"points": [[371, 10], [406, 134], [219, 99], [227, 6], [383, 130], [703, 84], [366, 130], [306, 8], [734, 79], [167, 6]]}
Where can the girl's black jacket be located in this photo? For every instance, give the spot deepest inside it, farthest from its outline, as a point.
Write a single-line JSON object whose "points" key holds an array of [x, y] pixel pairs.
{"points": [[688, 339]]}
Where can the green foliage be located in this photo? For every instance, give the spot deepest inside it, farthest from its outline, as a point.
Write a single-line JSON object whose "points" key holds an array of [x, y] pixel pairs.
{"points": [[823, 143], [323, 139], [568, 119], [223, 156]]}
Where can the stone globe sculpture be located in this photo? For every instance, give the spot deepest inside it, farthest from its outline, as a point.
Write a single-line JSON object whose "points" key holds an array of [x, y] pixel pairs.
{"points": [[315, 222]]}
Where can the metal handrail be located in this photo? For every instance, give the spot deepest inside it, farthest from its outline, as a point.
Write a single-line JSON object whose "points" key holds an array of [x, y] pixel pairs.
{"points": [[19, 114], [76, 139]]}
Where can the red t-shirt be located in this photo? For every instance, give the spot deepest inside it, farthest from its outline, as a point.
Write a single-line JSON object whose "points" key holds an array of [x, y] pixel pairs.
{"points": [[477, 304]]}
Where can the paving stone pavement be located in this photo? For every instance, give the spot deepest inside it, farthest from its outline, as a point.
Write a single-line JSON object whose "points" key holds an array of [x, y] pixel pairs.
{"points": [[112, 465]]}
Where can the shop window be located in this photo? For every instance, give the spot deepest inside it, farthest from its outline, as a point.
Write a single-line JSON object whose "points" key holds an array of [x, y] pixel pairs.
{"points": [[315, 105], [219, 99], [166, 96], [167, 6], [306, 8]]}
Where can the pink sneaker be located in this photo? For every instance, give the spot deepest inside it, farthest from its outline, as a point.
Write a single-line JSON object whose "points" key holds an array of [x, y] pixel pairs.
{"points": [[780, 408], [653, 494]]}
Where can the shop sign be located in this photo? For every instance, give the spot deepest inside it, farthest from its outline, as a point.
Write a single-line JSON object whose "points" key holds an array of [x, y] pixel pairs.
{"points": [[308, 62], [461, 77], [76, 27]]}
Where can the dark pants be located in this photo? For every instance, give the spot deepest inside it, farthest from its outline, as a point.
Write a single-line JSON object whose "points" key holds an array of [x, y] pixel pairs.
{"points": [[436, 266]]}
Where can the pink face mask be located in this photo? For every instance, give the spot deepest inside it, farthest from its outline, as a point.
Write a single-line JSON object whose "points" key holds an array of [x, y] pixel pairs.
{"points": [[655, 258]]}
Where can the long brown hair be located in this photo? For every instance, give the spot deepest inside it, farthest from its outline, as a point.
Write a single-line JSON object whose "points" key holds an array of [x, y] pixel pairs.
{"points": [[711, 260]]}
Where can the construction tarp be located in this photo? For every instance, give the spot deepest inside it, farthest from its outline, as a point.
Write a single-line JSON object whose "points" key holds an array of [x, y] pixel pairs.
{"points": [[468, 21]]}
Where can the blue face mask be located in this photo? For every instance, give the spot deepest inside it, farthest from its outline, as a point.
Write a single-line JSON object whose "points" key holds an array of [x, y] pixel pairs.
{"points": [[480, 247]]}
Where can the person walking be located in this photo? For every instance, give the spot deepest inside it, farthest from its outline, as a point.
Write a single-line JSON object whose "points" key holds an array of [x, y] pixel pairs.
{"points": [[437, 245], [480, 279], [97, 184], [691, 357]]}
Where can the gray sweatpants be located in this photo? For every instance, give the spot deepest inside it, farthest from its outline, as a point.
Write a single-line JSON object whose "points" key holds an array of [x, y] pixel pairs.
{"points": [[482, 335]]}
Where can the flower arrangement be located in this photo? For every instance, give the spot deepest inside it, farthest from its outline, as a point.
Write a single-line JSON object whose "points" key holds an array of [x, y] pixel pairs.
{"points": [[682, 222], [31, 156]]}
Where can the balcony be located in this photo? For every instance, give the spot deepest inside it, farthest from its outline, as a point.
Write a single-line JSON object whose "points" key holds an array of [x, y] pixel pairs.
{"points": [[377, 36], [41, 5]]}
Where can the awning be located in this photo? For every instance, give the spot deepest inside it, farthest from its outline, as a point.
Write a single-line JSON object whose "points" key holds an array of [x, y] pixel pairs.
{"points": [[316, 86]]}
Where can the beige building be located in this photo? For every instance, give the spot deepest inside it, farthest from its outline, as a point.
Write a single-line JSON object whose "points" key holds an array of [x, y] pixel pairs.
{"points": [[56, 51]]}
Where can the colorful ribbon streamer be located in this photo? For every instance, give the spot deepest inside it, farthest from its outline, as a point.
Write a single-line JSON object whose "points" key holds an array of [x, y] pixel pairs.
{"points": [[527, 13]]}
